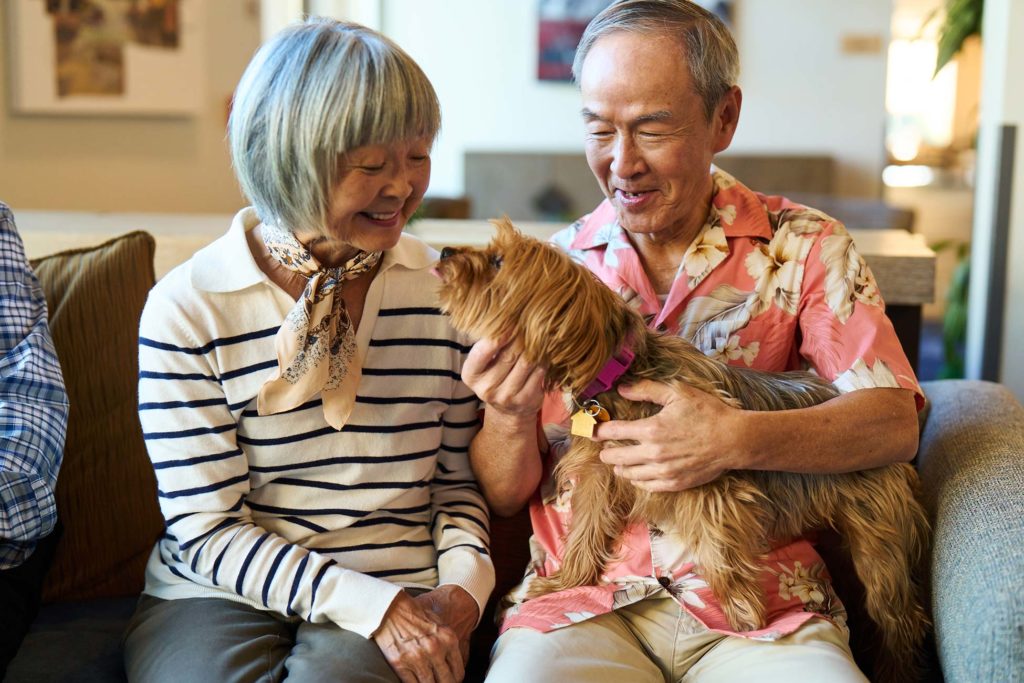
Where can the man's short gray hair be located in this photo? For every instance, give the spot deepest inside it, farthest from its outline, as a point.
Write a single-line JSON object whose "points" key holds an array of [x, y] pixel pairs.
{"points": [[313, 92], [710, 49]]}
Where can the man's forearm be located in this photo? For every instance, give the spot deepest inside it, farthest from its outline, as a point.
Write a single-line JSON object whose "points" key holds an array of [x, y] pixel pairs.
{"points": [[857, 430], [505, 455]]}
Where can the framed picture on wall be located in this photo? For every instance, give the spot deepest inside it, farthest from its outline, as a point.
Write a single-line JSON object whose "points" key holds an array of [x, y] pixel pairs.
{"points": [[130, 57], [561, 25]]}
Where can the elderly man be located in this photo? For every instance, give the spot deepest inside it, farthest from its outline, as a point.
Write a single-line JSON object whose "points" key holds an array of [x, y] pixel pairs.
{"points": [[753, 280], [33, 421]]}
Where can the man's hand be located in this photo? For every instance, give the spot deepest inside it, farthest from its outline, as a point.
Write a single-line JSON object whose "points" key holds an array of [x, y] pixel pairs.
{"points": [[455, 608], [691, 441], [503, 380], [418, 647]]}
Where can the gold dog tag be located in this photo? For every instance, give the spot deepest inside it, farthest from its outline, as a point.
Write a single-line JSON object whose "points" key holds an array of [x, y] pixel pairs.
{"points": [[582, 424], [584, 419]]}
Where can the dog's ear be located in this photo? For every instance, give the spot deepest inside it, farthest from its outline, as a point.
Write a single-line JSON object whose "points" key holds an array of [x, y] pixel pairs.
{"points": [[505, 230]]}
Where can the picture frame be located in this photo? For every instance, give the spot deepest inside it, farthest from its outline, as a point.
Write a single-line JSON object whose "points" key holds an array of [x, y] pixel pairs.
{"points": [[105, 57], [561, 24]]}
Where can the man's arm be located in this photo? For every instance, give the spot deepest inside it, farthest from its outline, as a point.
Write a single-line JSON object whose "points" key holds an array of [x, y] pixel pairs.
{"points": [[505, 454], [33, 404], [696, 437]]}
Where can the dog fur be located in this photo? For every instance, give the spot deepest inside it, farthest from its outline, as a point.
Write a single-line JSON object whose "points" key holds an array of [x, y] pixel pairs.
{"points": [[561, 317]]}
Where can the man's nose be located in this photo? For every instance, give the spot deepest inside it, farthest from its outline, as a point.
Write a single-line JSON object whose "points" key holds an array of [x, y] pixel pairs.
{"points": [[447, 252]]}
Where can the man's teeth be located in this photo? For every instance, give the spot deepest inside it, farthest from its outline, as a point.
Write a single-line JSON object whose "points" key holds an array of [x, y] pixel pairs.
{"points": [[631, 194]]}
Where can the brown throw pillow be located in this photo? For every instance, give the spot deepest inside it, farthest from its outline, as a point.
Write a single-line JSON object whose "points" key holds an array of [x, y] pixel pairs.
{"points": [[106, 491]]}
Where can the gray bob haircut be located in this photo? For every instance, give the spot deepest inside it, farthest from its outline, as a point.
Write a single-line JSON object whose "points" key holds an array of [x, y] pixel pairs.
{"points": [[711, 53], [313, 92]]}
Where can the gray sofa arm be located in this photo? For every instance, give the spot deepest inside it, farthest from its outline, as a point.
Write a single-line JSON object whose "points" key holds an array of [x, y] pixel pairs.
{"points": [[971, 462]]}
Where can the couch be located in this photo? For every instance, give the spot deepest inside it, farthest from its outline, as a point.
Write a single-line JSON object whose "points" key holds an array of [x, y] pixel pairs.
{"points": [[971, 462]]}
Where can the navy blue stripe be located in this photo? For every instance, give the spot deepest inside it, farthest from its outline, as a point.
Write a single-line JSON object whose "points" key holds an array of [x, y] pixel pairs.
{"points": [[273, 571], [202, 403], [407, 511], [204, 489], [248, 560], [387, 520], [316, 585], [219, 429], [377, 546], [444, 470], [298, 521], [240, 404], [395, 572], [419, 341], [146, 374], [455, 449], [461, 425], [175, 571], [308, 511], [370, 485], [463, 515], [222, 524], [453, 482], [249, 369], [482, 551], [352, 428], [220, 557], [186, 462], [344, 460], [222, 341], [305, 406], [295, 584], [389, 312], [410, 372]]}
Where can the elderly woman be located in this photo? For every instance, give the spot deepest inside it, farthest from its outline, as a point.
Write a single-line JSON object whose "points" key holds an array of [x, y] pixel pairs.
{"points": [[322, 521]]}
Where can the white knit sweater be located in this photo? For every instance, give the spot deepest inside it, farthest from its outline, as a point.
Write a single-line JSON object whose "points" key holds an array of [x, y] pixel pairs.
{"points": [[282, 512]]}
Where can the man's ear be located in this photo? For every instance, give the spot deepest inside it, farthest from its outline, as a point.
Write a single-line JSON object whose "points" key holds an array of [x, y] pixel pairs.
{"points": [[727, 118]]}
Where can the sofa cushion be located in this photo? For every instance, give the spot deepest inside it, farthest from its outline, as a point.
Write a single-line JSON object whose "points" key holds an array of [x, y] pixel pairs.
{"points": [[106, 491]]}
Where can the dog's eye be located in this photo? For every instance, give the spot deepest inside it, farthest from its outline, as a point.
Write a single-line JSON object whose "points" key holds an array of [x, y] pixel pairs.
{"points": [[496, 261]]}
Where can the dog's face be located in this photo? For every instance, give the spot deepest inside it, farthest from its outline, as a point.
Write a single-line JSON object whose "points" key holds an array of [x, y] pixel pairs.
{"points": [[551, 309]]}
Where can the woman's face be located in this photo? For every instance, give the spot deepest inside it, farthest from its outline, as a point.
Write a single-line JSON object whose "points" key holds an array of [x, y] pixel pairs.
{"points": [[379, 188]]}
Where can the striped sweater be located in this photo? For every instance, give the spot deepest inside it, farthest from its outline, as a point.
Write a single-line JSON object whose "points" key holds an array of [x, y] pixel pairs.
{"points": [[283, 512]]}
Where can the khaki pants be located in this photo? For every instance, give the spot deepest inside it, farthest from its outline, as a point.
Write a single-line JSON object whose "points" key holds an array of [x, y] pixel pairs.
{"points": [[656, 640]]}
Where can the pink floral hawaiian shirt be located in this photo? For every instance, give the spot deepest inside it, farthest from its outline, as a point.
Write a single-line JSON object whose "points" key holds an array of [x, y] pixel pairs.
{"points": [[767, 284]]}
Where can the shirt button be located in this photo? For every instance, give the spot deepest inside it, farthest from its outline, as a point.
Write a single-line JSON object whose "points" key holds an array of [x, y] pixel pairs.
{"points": [[664, 581]]}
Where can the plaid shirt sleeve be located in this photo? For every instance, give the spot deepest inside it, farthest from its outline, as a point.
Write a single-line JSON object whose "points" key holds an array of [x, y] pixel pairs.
{"points": [[33, 405]]}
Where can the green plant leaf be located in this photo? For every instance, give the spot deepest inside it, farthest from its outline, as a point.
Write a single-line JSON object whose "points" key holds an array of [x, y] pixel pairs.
{"points": [[963, 20]]}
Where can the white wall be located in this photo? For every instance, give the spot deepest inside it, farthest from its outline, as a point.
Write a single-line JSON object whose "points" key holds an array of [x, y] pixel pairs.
{"points": [[133, 163], [1002, 103], [802, 94]]}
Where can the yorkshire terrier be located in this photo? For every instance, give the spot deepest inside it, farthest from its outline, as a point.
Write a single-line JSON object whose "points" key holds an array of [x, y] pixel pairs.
{"points": [[565, 320]]}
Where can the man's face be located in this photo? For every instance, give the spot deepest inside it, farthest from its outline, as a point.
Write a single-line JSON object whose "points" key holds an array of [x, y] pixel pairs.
{"points": [[648, 140]]}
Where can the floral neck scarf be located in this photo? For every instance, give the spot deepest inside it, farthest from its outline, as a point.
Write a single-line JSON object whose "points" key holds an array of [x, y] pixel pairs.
{"points": [[316, 343]]}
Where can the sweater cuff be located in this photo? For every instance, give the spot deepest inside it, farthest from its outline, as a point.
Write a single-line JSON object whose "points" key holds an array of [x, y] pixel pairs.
{"points": [[361, 601], [471, 570]]}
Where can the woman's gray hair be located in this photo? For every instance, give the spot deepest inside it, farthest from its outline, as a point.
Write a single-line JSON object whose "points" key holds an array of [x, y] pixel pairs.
{"points": [[711, 53], [313, 92]]}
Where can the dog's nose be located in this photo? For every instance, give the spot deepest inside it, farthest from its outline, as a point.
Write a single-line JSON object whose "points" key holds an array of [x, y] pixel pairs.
{"points": [[446, 252]]}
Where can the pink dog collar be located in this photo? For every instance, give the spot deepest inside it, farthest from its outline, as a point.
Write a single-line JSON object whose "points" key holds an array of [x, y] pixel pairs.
{"points": [[611, 372]]}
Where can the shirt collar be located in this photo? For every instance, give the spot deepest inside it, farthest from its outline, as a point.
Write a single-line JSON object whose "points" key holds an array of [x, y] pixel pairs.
{"points": [[227, 265], [741, 210]]}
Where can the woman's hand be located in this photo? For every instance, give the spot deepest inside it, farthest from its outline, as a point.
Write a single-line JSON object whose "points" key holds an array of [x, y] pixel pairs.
{"points": [[417, 645], [455, 608], [503, 380], [692, 440]]}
